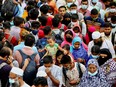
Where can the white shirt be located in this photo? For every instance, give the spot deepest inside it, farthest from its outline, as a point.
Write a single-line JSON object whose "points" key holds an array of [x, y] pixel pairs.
{"points": [[56, 72], [25, 85], [106, 44]]}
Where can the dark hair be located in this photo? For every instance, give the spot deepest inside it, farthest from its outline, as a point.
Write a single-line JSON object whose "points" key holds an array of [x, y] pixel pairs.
{"points": [[8, 16], [1, 35], [69, 32], [73, 5], [35, 24], [107, 24], [66, 46], [18, 20], [33, 13], [51, 37], [94, 11], [62, 7], [32, 3], [58, 53], [67, 15], [1, 19], [65, 59], [5, 51], [30, 7], [43, 20], [74, 16], [47, 30], [113, 18], [84, 1], [58, 16], [29, 40], [112, 4], [40, 81], [55, 22], [6, 25], [44, 9], [95, 49], [47, 60]]}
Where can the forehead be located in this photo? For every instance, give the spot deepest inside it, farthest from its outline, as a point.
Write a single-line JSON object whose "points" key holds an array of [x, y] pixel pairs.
{"points": [[12, 75], [47, 65], [92, 66], [85, 2], [62, 8]]}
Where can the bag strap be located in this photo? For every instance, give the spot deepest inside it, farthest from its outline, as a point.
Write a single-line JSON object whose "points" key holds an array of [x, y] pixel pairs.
{"points": [[79, 70], [113, 37], [2, 65]]}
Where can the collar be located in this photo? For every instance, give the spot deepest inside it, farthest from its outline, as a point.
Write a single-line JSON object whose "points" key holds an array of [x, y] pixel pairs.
{"points": [[28, 47]]}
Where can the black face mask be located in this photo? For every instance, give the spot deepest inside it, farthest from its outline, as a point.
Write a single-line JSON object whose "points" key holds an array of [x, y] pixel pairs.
{"points": [[101, 60], [68, 39]]}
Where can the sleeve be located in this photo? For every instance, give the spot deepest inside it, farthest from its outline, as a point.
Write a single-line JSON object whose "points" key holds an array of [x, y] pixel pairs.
{"points": [[84, 29], [89, 47], [56, 45], [62, 35], [82, 68], [37, 59]]}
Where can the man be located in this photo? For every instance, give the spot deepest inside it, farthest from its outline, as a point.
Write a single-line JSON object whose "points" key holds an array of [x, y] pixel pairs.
{"points": [[62, 10], [108, 34], [16, 79], [54, 76], [97, 40], [94, 20], [40, 82]]}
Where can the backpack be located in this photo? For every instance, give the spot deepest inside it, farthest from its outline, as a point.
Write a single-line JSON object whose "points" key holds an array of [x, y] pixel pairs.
{"points": [[9, 6], [79, 70], [30, 71], [58, 37]]}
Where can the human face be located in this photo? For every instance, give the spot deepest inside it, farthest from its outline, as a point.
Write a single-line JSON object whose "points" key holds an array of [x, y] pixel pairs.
{"points": [[62, 11], [73, 8], [103, 55], [107, 31], [51, 42], [94, 16], [69, 1], [48, 65], [59, 58], [76, 45], [40, 86], [92, 68], [12, 75], [84, 3]]}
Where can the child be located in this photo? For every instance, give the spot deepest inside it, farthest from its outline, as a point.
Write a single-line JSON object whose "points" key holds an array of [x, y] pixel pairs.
{"points": [[51, 48]]}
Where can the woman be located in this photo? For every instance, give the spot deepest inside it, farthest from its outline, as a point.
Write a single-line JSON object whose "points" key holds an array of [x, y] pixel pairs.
{"points": [[109, 69], [104, 55], [94, 76]]}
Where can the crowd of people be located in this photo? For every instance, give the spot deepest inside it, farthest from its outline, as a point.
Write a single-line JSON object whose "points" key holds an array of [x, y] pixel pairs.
{"points": [[57, 43]]}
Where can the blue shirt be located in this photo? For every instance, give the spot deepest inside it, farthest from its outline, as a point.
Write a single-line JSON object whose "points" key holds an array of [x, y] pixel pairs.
{"points": [[21, 45], [99, 20]]}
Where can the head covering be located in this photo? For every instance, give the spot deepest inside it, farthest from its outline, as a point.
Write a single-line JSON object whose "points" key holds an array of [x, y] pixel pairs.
{"points": [[99, 80], [91, 29], [66, 42], [93, 61], [76, 39], [41, 74], [17, 71], [96, 35]]}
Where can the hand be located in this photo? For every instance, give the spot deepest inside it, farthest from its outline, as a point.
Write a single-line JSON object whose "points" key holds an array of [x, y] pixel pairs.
{"points": [[73, 82], [80, 60], [9, 60], [48, 72], [65, 52], [26, 62]]}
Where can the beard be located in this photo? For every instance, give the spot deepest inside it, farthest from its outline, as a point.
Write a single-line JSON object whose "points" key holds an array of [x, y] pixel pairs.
{"points": [[99, 43], [16, 84], [107, 34]]}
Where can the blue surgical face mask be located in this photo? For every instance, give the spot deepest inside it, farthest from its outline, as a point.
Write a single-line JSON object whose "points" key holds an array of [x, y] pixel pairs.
{"points": [[73, 11], [95, 57], [84, 6], [11, 81], [68, 4], [114, 25], [34, 32], [93, 74]]}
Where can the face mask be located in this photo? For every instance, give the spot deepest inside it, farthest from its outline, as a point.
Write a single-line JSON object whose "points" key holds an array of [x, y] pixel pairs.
{"points": [[11, 23], [93, 74], [84, 6], [69, 39], [68, 4], [73, 11], [73, 23], [34, 32], [94, 19], [109, 19], [112, 10], [94, 1], [11, 81], [114, 25], [95, 57]]}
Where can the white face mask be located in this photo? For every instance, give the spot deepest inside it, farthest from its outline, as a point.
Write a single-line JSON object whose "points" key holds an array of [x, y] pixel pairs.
{"points": [[112, 10], [114, 25], [93, 74], [68, 4], [84, 6], [11, 81], [73, 11]]}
